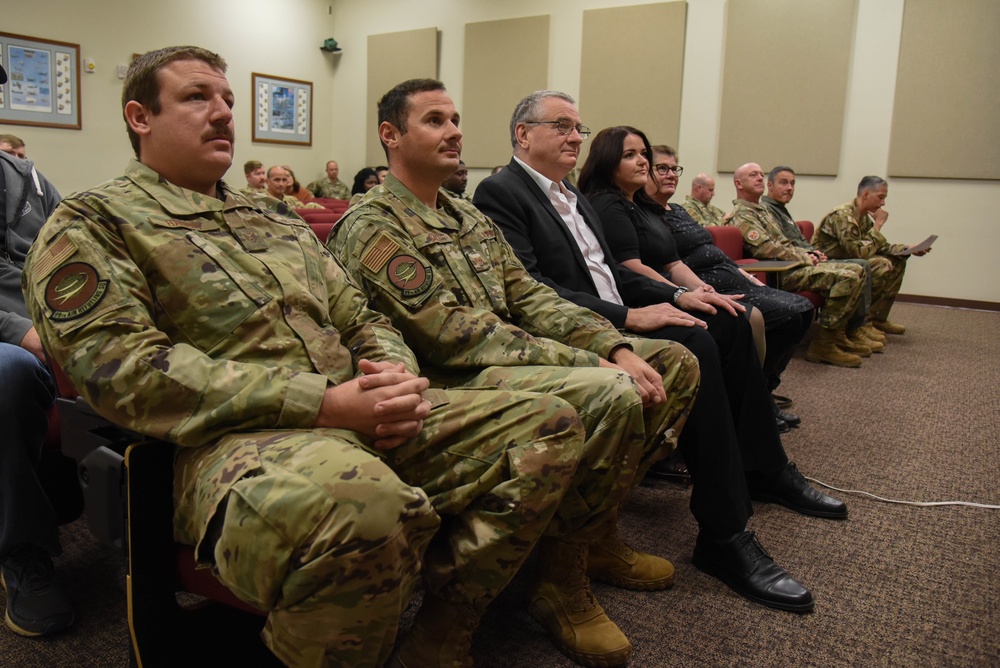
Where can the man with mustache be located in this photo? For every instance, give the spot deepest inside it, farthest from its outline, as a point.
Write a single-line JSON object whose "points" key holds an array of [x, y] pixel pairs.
{"points": [[312, 464]]}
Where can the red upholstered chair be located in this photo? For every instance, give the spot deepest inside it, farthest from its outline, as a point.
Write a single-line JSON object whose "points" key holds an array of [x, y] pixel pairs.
{"points": [[172, 606], [730, 240], [320, 220], [333, 204]]}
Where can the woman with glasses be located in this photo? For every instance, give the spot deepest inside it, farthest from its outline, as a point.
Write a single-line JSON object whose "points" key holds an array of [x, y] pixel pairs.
{"points": [[620, 182], [787, 316]]}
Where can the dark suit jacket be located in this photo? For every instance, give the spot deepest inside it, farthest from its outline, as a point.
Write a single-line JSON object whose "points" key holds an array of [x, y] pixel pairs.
{"points": [[548, 250]]}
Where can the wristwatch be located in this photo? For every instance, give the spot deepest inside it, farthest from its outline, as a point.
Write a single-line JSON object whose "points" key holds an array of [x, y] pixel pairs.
{"points": [[677, 295]]}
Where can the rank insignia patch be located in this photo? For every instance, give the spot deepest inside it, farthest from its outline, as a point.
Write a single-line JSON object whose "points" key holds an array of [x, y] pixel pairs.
{"points": [[409, 275], [74, 290]]}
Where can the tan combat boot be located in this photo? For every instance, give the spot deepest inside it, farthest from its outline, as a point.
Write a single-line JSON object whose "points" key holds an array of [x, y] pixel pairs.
{"points": [[857, 337], [872, 334], [888, 327], [613, 562], [824, 349], [563, 604], [441, 637], [853, 346]]}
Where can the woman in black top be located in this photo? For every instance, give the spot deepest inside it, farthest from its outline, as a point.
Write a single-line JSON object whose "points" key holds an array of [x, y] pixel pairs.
{"points": [[642, 234]]}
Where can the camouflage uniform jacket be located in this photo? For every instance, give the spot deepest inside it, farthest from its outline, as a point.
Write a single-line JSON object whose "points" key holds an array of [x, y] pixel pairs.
{"points": [[763, 237], [706, 214], [457, 291], [185, 317], [786, 223], [285, 206], [843, 235], [462, 196], [332, 189]]}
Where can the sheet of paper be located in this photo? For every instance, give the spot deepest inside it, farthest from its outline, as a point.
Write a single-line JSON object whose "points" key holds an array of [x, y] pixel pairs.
{"points": [[922, 246]]}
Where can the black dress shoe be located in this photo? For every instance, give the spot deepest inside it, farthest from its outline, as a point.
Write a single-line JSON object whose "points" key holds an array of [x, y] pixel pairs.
{"points": [[790, 489], [671, 469], [791, 419], [744, 565], [783, 427]]}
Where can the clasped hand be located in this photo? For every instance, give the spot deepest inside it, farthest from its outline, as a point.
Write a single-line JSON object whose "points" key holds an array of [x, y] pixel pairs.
{"points": [[386, 404], [648, 382]]}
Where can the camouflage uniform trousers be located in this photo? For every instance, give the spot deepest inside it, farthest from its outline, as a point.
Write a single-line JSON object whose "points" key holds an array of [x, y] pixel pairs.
{"points": [[861, 311], [841, 284], [327, 535], [622, 438], [887, 278]]}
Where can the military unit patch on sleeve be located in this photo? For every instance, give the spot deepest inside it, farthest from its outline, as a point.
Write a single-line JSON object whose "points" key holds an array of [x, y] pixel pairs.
{"points": [[73, 290], [378, 252], [409, 275], [753, 235]]}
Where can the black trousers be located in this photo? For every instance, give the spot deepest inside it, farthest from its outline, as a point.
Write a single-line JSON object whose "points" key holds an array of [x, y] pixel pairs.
{"points": [[782, 336], [730, 432]]}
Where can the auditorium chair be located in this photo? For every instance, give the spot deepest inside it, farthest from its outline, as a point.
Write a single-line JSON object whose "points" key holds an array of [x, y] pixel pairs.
{"points": [[730, 240], [339, 205], [320, 220], [176, 613]]}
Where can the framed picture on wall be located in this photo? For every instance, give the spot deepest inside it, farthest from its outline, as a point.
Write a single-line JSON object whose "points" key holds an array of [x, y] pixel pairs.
{"points": [[282, 110], [43, 82]]}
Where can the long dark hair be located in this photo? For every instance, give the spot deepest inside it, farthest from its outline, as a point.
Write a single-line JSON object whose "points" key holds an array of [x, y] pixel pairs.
{"points": [[598, 173], [360, 178]]}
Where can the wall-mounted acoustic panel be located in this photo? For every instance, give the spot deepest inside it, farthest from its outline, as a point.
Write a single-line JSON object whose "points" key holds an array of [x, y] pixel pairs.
{"points": [[392, 59], [784, 84]]}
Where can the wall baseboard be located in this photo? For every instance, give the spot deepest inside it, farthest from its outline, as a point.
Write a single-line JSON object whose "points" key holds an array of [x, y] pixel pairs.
{"points": [[953, 303]]}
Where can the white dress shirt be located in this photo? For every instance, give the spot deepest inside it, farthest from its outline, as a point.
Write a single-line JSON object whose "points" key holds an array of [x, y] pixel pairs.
{"points": [[564, 201]]}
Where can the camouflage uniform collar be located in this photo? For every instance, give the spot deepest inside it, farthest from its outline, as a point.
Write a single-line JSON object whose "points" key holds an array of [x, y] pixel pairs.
{"points": [[774, 203], [852, 208], [179, 201], [748, 204], [448, 219]]}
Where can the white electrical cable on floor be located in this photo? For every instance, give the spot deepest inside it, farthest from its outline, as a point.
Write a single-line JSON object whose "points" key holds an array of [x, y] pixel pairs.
{"points": [[906, 503]]}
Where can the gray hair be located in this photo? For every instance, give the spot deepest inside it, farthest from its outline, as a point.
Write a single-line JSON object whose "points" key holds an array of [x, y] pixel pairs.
{"points": [[871, 183], [777, 170], [527, 109]]}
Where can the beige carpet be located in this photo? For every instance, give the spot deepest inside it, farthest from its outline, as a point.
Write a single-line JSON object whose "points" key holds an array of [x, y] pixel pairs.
{"points": [[895, 585]]}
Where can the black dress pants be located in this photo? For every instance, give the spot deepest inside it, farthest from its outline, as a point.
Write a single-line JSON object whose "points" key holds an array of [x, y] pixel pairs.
{"points": [[731, 430]]}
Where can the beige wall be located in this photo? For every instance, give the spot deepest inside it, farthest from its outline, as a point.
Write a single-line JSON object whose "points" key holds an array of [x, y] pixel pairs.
{"points": [[246, 33], [962, 212]]}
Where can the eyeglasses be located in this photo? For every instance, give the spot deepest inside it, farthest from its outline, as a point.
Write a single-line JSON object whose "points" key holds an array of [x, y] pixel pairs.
{"points": [[564, 127], [663, 170]]}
